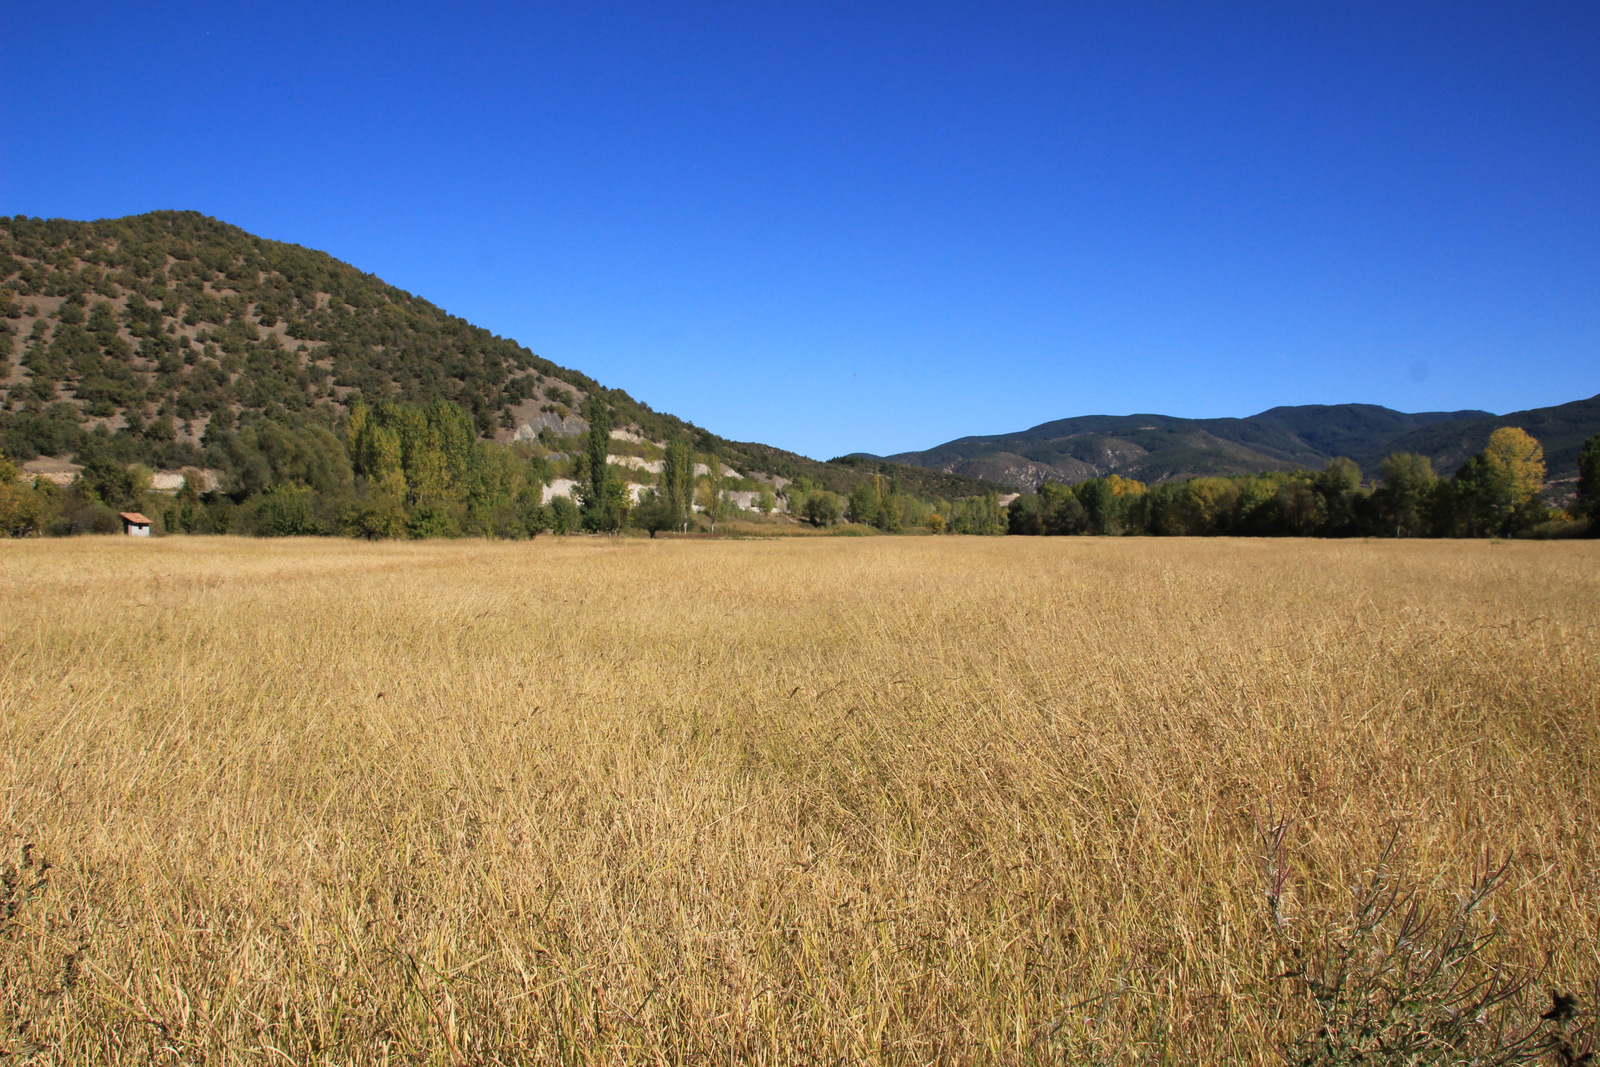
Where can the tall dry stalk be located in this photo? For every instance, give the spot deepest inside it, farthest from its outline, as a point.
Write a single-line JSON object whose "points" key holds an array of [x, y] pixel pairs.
{"points": [[816, 801]]}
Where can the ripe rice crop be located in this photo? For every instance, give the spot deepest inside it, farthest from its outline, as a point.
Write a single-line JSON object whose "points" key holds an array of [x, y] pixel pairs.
{"points": [[884, 800]]}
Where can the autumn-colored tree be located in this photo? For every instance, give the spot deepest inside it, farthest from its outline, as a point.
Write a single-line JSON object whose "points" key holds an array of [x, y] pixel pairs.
{"points": [[23, 508], [1496, 492], [1516, 461]]}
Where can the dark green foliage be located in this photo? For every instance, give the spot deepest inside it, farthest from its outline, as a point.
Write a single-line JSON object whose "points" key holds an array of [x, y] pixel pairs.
{"points": [[40, 431], [105, 481], [863, 506], [822, 508], [653, 513], [1588, 497], [286, 510], [564, 515], [676, 495], [1482, 499], [977, 515], [1401, 501], [603, 500], [270, 454]]}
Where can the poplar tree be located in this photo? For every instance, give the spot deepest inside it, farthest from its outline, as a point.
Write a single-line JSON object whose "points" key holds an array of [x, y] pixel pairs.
{"points": [[712, 502], [677, 483], [599, 496]]}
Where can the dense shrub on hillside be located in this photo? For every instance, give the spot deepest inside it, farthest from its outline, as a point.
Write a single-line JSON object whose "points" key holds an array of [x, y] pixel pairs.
{"points": [[171, 328]]}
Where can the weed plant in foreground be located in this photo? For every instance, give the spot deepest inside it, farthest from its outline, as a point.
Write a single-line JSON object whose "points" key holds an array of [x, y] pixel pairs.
{"points": [[900, 801]]}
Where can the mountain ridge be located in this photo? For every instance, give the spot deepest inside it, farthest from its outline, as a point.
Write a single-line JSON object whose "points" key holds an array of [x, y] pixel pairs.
{"points": [[1157, 448]]}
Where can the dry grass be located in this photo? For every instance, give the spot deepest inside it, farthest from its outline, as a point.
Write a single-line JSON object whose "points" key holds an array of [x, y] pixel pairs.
{"points": [[812, 801]]}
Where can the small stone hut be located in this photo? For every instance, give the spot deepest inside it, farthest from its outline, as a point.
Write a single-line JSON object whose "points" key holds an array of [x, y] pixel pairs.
{"points": [[134, 524]]}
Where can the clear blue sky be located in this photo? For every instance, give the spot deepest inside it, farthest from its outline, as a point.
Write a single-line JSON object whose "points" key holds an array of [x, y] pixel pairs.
{"points": [[869, 226]]}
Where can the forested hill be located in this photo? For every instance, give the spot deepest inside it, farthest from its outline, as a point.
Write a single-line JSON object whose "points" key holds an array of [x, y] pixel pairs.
{"points": [[157, 335], [1161, 448]]}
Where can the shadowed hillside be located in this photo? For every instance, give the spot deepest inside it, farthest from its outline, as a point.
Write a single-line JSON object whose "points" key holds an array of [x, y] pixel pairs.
{"points": [[1161, 448]]}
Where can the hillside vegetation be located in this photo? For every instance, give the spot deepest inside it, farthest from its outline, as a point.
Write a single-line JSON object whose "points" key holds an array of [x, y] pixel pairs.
{"points": [[879, 801], [153, 338]]}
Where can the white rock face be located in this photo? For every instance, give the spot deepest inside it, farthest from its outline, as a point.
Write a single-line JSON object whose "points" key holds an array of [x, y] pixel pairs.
{"points": [[559, 487], [747, 499], [172, 481], [529, 430], [568, 488], [638, 463]]}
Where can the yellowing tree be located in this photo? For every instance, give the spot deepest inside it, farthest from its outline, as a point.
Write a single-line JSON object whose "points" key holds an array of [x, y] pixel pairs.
{"points": [[1515, 461]]}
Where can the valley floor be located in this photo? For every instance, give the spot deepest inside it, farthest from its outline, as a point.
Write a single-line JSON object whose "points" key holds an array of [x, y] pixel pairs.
{"points": [[877, 800]]}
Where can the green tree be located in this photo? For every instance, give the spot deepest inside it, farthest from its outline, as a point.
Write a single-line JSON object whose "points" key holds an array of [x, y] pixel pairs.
{"points": [[492, 484], [564, 514], [677, 484], [598, 502], [105, 481], [1024, 516], [1496, 491], [982, 514], [712, 502], [287, 511], [1408, 482], [380, 513], [822, 508], [1061, 512], [24, 509], [864, 503], [1588, 502], [1339, 486], [653, 513]]}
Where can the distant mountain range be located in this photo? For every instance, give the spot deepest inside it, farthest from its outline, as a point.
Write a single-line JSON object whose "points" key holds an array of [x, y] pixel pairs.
{"points": [[1158, 448]]}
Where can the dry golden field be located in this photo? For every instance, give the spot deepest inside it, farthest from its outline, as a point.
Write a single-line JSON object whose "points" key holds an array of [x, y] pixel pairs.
{"points": [[887, 800]]}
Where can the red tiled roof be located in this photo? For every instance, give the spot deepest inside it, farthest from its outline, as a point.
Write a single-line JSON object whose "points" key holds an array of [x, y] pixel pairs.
{"points": [[135, 518]]}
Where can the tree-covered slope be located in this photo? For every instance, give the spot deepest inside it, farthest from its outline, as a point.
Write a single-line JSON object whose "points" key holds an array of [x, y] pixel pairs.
{"points": [[1351, 429], [1151, 448], [163, 332], [1561, 429], [1160, 448]]}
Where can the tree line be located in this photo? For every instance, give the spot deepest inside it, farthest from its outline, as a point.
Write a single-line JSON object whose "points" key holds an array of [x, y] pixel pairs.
{"points": [[397, 469], [394, 469], [1495, 493]]}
